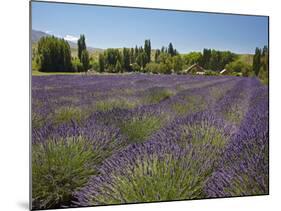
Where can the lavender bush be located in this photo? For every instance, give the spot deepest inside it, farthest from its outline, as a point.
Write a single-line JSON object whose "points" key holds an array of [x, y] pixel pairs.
{"points": [[147, 172], [111, 139]]}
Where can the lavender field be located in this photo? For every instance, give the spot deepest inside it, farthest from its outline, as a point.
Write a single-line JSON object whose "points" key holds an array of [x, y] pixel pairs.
{"points": [[114, 139]]}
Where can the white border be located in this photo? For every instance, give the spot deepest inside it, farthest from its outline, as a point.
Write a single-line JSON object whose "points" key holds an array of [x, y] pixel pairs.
{"points": [[14, 116]]}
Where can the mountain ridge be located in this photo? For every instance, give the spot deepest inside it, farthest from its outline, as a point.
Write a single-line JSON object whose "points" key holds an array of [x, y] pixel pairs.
{"points": [[36, 35]]}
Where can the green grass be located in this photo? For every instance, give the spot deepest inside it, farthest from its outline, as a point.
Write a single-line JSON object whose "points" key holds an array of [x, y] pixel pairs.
{"points": [[38, 73]]}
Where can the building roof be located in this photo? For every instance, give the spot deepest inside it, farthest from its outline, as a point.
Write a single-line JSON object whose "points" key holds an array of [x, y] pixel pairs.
{"points": [[194, 66], [224, 70]]}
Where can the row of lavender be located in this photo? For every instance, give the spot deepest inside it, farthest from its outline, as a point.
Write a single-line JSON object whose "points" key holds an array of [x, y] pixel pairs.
{"points": [[143, 138]]}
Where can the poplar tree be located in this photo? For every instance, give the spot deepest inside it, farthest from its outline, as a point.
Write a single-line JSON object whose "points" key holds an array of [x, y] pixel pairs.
{"points": [[85, 59], [81, 45], [126, 59], [101, 62], [156, 56], [171, 49], [147, 50], [257, 61]]}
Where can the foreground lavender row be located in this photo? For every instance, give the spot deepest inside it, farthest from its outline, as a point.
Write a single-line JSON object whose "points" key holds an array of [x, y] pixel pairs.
{"points": [[141, 138]]}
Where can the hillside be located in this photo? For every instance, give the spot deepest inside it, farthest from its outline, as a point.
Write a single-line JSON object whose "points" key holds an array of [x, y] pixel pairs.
{"points": [[36, 35]]}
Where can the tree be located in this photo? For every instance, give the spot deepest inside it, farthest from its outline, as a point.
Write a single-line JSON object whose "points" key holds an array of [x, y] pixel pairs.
{"points": [[238, 67], [177, 63], [101, 62], [192, 58], [264, 71], [214, 62], [76, 65], [85, 59], [264, 59], [264, 50], [175, 52], [226, 58], [147, 50], [118, 67], [94, 64], [132, 56], [111, 56], [206, 58], [81, 45], [152, 67], [166, 63], [136, 52], [141, 57], [54, 55], [171, 49], [140, 60], [156, 56], [136, 67], [126, 59], [257, 61]]}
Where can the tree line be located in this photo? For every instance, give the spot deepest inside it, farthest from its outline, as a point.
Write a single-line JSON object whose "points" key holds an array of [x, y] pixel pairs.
{"points": [[138, 59], [261, 63], [54, 55]]}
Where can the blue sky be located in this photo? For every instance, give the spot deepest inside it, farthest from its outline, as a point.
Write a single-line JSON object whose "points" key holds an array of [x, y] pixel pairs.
{"points": [[106, 27]]}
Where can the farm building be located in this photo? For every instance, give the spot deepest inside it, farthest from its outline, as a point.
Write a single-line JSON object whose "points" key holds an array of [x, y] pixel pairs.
{"points": [[224, 72], [200, 73], [195, 69]]}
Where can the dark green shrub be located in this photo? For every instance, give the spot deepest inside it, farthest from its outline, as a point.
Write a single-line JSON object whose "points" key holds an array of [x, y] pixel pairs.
{"points": [[76, 65], [136, 67]]}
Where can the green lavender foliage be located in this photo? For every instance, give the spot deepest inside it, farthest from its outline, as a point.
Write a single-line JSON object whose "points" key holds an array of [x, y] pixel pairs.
{"points": [[139, 129], [58, 168]]}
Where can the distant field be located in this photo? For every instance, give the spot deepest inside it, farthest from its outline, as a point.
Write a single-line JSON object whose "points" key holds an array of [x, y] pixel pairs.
{"points": [[37, 73]]}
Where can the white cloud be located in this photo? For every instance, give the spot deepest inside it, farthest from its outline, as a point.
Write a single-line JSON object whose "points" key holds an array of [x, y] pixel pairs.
{"points": [[48, 32], [71, 38], [56, 35]]}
